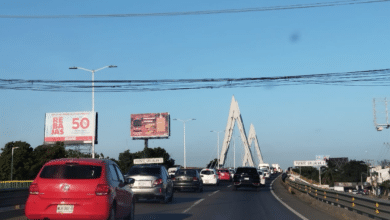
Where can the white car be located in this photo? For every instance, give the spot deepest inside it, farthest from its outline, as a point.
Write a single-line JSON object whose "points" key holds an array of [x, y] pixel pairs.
{"points": [[172, 171], [262, 177], [266, 173], [209, 176]]}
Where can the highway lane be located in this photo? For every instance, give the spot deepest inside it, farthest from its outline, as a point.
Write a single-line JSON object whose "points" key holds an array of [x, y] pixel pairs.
{"points": [[221, 202]]}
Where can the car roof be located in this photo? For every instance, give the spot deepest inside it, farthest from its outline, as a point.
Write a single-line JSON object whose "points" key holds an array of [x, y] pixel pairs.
{"points": [[79, 160]]}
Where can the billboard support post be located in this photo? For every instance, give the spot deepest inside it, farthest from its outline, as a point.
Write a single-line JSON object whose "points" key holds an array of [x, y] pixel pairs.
{"points": [[146, 146]]}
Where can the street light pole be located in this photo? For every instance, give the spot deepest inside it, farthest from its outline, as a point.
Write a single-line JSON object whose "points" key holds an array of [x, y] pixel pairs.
{"points": [[93, 97], [218, 146], [184, 133], [12, 160]]}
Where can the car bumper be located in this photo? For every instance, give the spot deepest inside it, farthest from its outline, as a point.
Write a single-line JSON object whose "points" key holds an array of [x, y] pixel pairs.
{"points": [[193, 185], [42, 208], [210, 181], [148, 192], [246, 183]]}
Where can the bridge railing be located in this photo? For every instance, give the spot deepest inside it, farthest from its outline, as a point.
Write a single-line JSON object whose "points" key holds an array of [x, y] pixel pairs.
{"points": [[377, 208], [16, 184]]}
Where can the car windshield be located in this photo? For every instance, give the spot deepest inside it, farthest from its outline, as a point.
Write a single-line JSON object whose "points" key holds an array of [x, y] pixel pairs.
{"points": [[246, 170], [152, 171], [207, 172], [71, 171], [186, 172], [223, 171]]}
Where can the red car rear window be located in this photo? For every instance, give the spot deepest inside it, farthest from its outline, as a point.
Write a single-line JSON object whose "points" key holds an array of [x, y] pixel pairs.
{"points": [[67, 171]]}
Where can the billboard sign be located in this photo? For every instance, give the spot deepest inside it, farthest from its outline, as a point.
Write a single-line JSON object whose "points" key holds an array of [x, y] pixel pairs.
{"points": [[309, 163], [148, 160], [71, 127], [150, 125]]}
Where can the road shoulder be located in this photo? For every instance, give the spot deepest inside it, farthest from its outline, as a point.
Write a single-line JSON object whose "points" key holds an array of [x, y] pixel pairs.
{"points": [[317, 210]]}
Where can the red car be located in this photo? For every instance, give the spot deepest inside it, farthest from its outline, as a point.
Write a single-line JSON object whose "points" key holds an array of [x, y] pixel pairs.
{"points": [[224, 174], [82, 188]]}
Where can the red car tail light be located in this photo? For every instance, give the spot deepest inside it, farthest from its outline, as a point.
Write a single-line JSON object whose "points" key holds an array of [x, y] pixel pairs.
{"points": [[173, 178], [157, 182], [195, 179], [34, 189], [102, 190]]}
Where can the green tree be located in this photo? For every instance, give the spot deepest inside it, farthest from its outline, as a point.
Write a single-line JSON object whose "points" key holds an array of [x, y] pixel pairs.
{"points": [[212, 163], [125, 160], [351, 171], [22, 161], [45, 153]]}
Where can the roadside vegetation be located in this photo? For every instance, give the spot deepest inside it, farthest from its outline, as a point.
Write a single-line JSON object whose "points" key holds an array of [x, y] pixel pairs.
{"points": [[28, 161]]}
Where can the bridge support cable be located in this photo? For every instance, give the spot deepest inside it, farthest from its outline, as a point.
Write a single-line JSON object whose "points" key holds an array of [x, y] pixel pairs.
{"points": [[235, 115]]}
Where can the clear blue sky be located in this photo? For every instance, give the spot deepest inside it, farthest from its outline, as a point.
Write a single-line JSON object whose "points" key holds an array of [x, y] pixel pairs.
{"points": [[292, 122]]}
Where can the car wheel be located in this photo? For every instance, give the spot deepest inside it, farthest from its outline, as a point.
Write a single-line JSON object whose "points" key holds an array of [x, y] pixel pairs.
{"points": [[235, 188], [200, 189], [112, 214], [171, 197], [165, 200]]}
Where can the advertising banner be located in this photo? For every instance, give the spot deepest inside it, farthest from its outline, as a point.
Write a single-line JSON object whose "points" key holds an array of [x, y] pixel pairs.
{"points": [[71, 127], [309, 163], [148, 160], [150, 125]]}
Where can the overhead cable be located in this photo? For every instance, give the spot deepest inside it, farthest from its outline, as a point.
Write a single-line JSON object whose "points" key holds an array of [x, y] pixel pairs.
{"points": [[379, 77], [203, 12]]}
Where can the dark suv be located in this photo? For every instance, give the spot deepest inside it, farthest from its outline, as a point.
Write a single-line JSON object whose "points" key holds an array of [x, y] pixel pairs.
{"points": [[151, 182], [246, 176]]}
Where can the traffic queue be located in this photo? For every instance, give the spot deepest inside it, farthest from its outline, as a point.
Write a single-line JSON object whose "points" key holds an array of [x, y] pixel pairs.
{"points": [[84, 188]]}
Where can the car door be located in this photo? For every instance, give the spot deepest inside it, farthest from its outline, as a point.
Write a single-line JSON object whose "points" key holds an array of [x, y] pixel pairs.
{"points": [[121, 195], [169, 183]]}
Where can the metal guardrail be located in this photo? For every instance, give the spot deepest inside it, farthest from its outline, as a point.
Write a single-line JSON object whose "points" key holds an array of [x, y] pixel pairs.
{"points": [[375, 208], [16, 184]]}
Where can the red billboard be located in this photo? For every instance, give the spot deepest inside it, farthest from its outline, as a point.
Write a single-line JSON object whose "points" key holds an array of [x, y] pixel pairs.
{"points": [[71, 127], [150, 125]]}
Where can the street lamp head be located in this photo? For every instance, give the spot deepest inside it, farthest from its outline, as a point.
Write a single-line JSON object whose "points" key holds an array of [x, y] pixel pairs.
{"points": [[73, 68], [174, 119], [112, 66], [193, 119]]}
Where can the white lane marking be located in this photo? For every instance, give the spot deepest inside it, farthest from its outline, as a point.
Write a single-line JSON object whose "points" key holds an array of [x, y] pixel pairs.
{"points": [[288, 207], [196, 203], [213, 193], [229, 186]]}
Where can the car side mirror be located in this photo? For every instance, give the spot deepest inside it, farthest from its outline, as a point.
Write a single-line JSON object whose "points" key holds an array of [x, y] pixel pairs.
{"points": [[130, 180]]}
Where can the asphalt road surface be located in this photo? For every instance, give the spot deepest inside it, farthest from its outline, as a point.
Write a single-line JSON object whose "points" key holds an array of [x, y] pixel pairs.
{"points": [[221, 202]]}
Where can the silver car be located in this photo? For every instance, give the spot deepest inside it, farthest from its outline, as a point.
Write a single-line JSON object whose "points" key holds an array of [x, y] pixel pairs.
{"points": [[151, 182]]}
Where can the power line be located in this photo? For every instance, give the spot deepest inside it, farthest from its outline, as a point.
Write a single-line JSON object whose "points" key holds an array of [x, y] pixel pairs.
{"points": [[204, 12], [379, 77]]}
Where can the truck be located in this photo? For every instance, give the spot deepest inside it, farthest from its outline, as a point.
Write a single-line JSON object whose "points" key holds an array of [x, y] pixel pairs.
{"points": [[264, 166], [276, 167]]}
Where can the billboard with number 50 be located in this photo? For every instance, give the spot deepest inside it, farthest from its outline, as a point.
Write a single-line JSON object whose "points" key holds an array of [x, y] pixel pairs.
{"points": [[71, 127]]}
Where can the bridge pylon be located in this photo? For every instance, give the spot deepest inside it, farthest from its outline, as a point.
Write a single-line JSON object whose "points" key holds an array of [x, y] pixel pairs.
{"points": [[235, 115]]}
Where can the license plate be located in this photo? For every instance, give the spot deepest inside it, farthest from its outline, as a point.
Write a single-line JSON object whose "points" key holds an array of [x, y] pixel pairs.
{"points": [[206, 181], [144, 183], [246, 178], [64, 208]]}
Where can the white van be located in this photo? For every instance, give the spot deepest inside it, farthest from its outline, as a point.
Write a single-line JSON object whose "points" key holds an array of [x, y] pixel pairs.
{"points": [[172, 171]]}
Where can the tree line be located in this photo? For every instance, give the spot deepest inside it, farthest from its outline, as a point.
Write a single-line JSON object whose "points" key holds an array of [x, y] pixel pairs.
{"points": [[28, 161]]}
